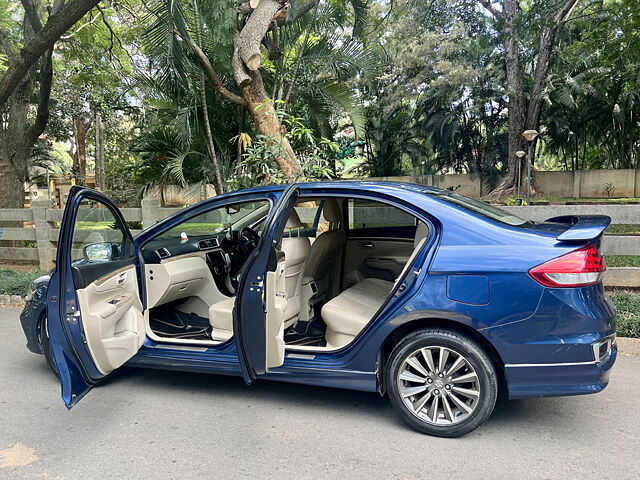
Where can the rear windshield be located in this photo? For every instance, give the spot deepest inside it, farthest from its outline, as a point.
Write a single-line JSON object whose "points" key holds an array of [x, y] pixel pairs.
{"points": [[481, 208]]}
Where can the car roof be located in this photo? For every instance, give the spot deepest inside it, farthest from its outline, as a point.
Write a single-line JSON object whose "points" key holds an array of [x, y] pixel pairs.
{"points": [[351, 185]]}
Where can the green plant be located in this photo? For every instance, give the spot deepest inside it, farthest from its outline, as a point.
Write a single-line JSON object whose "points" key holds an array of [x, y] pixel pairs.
{"points": [[13, 282], [609, 189], [628, 313], [257, 166]]}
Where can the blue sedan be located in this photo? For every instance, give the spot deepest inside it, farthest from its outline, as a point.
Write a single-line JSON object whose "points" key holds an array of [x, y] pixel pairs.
{"points": [[435, 299]]}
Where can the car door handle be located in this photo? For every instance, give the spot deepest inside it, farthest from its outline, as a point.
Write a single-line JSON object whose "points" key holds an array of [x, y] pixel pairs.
{"points": [[122, 278], [367, 244]]}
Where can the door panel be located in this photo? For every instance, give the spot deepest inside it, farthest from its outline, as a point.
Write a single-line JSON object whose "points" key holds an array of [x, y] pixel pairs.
{"points": [[276, 304], [95, 317], [382, 258], [112, 318], [257, 332]]}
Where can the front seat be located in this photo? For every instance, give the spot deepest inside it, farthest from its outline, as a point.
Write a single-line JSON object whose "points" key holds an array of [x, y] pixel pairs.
{"points": [[324, 260], [296, 251]]}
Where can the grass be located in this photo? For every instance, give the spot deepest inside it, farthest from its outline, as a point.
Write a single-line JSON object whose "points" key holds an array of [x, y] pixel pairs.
{"points": [[13, 282], [628, 318], [622, 229], [622, 260], [553, 199]]}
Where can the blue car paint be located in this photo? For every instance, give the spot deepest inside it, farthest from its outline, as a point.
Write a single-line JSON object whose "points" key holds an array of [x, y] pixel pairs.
{"points": [[542, 336], [35, 309]]}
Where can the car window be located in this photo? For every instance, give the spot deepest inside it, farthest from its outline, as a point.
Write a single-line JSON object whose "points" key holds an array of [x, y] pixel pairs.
{"points": [[366, 214], [310, 213], [481, 208], [96, 234], [219, 219]]}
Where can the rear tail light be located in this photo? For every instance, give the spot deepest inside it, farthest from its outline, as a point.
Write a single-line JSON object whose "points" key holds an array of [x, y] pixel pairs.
{"points": [[579, 268]]}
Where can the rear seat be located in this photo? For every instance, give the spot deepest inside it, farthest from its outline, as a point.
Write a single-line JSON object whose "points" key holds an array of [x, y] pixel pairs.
{"points": [[348, 313]]}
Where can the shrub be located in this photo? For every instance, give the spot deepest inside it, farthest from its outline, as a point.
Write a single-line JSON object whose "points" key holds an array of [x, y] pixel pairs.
{"points": [[13, 282], [628, 318]]}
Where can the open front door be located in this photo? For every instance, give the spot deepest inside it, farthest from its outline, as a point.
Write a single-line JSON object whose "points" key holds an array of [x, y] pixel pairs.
{"points": [[94, 311], [258, 315]]}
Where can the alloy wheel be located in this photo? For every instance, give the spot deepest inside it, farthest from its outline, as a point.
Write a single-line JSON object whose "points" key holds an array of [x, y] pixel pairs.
{"points": [[439, 385]]}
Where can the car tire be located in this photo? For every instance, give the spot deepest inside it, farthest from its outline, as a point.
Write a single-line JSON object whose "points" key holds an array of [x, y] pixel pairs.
{"points": [[45, 345], [447, 403]]}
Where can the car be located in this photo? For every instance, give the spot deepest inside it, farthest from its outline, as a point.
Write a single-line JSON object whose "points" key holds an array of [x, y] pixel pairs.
{"points": [[429, 297]]}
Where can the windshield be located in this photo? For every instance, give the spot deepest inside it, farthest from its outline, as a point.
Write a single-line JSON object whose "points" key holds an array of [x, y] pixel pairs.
{"points": [[219, 219], [481, 208]]}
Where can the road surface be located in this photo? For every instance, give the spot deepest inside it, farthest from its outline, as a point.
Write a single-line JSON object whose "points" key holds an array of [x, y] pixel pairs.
{"points": [[156, 424]]}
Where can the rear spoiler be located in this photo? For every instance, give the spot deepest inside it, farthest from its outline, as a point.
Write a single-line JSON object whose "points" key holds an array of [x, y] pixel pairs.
{"points": [[583, 227]]}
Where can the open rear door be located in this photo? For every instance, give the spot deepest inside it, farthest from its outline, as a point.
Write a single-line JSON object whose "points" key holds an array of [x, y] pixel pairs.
{"points": [[95, 319], [258, 315]]}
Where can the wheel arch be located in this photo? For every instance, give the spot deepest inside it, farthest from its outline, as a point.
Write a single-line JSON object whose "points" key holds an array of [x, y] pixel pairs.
{"points": [[418, 320]]}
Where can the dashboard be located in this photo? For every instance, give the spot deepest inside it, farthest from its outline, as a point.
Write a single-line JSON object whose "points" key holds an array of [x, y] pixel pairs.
{"points": [[165, 248]]}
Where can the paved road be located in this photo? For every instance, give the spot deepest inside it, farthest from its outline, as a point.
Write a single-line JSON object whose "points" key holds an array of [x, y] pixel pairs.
{"points": [[154, 424]]}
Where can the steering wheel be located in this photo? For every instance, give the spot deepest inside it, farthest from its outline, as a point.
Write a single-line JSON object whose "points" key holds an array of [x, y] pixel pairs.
{"points": [[248, 240]]}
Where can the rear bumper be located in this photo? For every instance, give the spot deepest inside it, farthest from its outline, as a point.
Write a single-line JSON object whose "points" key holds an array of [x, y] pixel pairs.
{"points": [[560, 379]]}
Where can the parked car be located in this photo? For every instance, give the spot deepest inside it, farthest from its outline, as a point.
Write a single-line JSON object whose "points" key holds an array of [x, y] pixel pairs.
{"points": [[429, 297]]}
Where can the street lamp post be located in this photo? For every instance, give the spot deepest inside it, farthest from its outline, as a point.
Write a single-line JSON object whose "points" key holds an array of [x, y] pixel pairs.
{"points": [[529, 136], [519, 154]]}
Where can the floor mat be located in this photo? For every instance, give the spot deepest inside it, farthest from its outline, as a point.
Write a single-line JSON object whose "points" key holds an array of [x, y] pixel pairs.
{"points": [[171, 323], [307, 333]]}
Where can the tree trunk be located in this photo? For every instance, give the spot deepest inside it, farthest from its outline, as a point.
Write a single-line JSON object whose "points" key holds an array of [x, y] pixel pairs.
{"points": [[516, 106], [211, 148], [99, 156], [13, 149], [250, 38], [521, 118], [80, 157], [246, 60], [266, 121]]}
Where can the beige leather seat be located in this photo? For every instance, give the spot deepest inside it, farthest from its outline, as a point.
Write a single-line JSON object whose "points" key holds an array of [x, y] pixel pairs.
{"points": [[348, 313], [324, 259], [296, 251]]}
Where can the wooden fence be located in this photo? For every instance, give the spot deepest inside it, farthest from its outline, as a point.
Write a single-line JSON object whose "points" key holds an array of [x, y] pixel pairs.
{"points": [[41, 229]]}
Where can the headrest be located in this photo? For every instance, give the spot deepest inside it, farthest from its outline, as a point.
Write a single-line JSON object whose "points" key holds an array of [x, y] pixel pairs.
{"points": [[421, 233], [293, 221], [331, 210]]}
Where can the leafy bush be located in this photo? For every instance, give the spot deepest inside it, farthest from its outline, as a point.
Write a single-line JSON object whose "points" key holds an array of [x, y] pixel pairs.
{"points": [[628, 319], [13, 282]]}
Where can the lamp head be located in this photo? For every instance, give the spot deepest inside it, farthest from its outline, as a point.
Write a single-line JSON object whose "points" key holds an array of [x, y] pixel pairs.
{"points": [[530, 135], [520, 154]]}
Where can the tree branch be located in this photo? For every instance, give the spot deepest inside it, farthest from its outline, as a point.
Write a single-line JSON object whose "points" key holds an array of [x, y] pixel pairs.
{"points": [[564, 13], [44, 95], [213, 76], [250, 37], [303, 10], [31, 12], [80, 28], [57, 24], [6, 46]]}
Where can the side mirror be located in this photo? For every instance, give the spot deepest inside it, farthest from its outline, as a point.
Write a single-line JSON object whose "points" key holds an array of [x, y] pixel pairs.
{"points": [[232, 209], [100, 252]]}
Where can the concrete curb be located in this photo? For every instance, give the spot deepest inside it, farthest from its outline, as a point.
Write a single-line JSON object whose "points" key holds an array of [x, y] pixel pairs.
{"points": [[625, 277], [628, 346], [12, 301]]}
